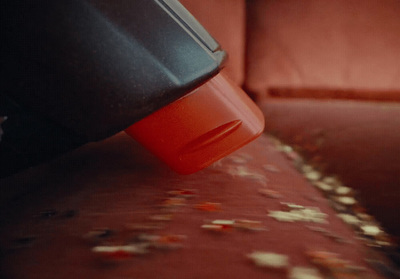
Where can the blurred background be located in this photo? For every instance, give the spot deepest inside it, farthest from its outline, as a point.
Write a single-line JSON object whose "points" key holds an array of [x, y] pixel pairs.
{"points": [[327, 75]]}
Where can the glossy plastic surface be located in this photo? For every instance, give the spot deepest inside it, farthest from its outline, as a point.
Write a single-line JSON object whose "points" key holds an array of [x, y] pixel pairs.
{"points": [[202, 127], [77, 71]]}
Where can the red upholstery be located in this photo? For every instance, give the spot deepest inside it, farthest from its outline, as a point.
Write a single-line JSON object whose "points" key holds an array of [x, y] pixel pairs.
{"points": [[358, 141], [323, 44], [48, 229], [329, 45], [48, 211]]}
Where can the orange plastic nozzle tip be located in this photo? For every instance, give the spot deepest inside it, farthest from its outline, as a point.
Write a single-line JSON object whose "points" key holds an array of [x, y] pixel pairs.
{"points": [[202, 127]]}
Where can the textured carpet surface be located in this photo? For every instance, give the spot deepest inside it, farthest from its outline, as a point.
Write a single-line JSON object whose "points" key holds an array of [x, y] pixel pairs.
{"points": [[114, 193]]}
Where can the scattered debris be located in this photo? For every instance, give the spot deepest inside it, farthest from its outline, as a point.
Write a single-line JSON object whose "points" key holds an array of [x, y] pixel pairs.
{"points": [[285, 148], [238, 159], [228, 225], [317, 229], [313, 175], [161, 217], [270, 193], [121, 252], [345, 200], [304, 273], [99, 234], [328, 234], [344, 191], [244, 172], [331, 180], [208, 206], [219, 225], [323, 186], [216, 228], [292, 155], [271, 168], [142, 244], [223, 222], [245, 156], [370, 230], [365, 217], [172, 204], [165, 242], [290, 206], [349, 219], [183, 193], [338, 207], [249, 225], [335, 237], [299, 213], [334, 266], [283, 216], [269, 260]]}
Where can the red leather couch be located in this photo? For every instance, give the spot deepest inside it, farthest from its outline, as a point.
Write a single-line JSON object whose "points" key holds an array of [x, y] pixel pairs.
{"points": [[62, 219], [326, 74]]}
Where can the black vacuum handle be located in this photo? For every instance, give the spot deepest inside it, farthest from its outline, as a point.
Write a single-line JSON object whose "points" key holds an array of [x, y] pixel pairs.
{"points": [[75, 71]]}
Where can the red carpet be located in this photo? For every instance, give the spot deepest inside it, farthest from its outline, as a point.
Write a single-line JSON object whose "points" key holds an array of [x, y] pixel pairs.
{"points": [[111, 193]]}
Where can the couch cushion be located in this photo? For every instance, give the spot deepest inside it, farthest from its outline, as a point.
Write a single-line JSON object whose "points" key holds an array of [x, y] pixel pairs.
{"points": [[325, 44], [358, 141], [67, 213]]}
